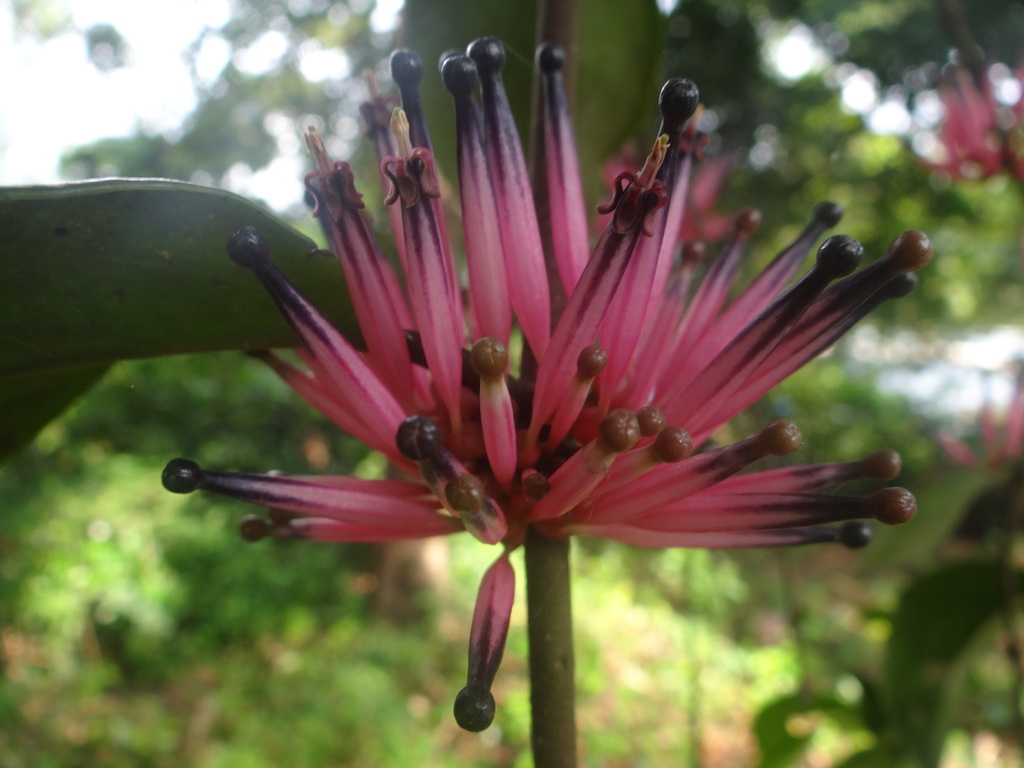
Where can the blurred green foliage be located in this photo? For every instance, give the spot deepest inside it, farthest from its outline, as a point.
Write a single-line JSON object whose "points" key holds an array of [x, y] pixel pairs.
{"points": [[137, 630]]}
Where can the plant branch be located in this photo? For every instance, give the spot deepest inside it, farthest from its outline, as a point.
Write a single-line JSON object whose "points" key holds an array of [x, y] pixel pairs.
{"points": [[552, 665]]}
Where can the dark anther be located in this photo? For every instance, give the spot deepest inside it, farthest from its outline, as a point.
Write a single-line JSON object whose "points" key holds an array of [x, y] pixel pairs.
{"points": [[550, 57], [828, 213], [678, 101], [182, 476], [247, 248], [854, 534], [447, 55], [406, 68], [459, 75], [418, 438], [474, 708], [840, 255], [253, 528], [898, 287], [488, 53]]}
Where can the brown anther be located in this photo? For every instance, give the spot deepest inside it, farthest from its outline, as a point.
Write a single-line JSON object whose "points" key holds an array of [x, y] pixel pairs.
{"points": [[651, 420], [910, 251], [748, 221], [618, 431], [672, 444], [892, 506], [591, 361], [489, 358], [535, 485], [693, 252], [253, 528], [780, 438], [465, 493], [880, 465]]}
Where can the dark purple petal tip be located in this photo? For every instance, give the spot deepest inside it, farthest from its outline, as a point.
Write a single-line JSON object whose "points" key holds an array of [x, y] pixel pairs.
{"points": [[828, 214], [247, 248], [418, 438], [840, 255], [854, 534], [550, 57], [459, 75], [488, 53], [678, 101], [474, 708], [182, 476], [406, 68]]}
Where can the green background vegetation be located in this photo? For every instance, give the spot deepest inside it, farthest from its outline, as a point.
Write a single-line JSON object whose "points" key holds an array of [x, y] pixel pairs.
{"points": [[136, 629]]}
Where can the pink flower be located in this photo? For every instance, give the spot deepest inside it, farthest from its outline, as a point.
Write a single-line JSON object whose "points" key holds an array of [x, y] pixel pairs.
{"points": [[593, 430], [700, 222], [1000, 443], [979, 137]]}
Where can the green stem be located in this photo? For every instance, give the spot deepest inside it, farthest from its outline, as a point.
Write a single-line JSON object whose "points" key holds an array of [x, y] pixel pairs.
{"points": [[548, 598], [549, 626]]}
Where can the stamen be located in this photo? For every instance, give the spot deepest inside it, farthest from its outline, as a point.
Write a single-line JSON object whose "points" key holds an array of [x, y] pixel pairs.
{"points": [[589, 364], [713, 513], [671, 445], [520, 233], [839, 308], [880, 465], [767, 284], [400, 130], [474, 706], [490, 361], [852, 534], [372, 405], [393, 504], [430, 272], [458, 491], [488, 284], [666, 483], [377, 298], [566, 214], [581, 473], [695, 403]]}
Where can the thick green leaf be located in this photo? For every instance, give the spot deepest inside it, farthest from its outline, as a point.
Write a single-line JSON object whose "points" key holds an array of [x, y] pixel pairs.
{"points": [[938, 620], [30, 400], [102, 271], [778, 744], [618, 70]]}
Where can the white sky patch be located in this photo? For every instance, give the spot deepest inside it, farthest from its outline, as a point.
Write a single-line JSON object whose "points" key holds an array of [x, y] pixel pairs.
{"points": [[890, 117], [317, 63], [794, 52], [859, 91], [385, 15], [55, 98], [263, 54], [944, 379]]}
